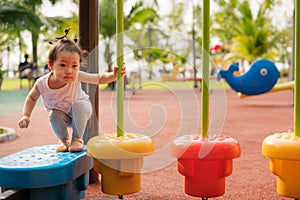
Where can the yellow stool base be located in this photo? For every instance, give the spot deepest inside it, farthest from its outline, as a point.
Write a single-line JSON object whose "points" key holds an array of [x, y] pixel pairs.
{"points": [[283, 151], [116, 182], [288, 177]]}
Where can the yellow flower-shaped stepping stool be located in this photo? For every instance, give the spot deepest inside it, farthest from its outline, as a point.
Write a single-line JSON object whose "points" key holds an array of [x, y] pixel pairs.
{"points": [[283, 150], [119, 160]]}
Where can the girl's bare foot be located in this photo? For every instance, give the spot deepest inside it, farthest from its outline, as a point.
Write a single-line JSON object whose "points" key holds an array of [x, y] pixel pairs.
{"points": [[76, 145], [63, 146]]}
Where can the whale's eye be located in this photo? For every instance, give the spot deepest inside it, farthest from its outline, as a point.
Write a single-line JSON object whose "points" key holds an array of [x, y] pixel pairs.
{"points": [[263, 72]]}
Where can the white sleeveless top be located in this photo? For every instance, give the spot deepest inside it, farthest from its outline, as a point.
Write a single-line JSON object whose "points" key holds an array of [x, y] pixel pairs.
{"points": [[63, 98]]}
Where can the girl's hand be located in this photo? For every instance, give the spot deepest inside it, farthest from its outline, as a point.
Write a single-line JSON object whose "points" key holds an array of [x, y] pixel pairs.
{"points": [[123, 71], [24, 121]]}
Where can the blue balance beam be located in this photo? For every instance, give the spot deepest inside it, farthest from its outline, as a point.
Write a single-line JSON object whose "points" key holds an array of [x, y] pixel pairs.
{"points": [[47, 175]]}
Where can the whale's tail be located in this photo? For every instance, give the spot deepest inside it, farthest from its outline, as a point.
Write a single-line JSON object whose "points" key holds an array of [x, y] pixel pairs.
{"points": [[223, 73]]}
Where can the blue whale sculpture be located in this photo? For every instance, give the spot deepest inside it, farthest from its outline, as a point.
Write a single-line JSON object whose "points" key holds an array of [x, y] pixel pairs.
{"points": [[260, 78]]}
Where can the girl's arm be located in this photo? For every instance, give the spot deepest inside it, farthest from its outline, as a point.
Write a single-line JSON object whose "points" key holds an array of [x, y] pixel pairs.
{"points": [[108, 77], [104, 78], [29, 104]]}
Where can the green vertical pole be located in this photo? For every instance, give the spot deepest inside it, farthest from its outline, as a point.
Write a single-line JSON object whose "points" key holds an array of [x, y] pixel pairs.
{"points": [[297, 71], [120, 63], [205, 67]]}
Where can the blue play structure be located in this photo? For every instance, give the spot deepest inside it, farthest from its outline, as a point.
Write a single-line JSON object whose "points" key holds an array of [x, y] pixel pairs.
{"points": [[46, 174], [259, 79]]}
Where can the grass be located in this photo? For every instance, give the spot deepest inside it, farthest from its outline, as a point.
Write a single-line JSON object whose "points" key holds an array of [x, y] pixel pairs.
{"points": [[10, 84], [13, 84], [180, 85]]}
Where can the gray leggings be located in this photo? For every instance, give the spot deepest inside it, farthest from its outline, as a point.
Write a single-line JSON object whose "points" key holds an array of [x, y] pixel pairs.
{"points": [[81, 112]]}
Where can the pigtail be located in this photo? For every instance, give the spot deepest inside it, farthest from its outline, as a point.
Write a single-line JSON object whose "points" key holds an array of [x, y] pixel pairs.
{"points": [[62, 40], [64, 37]]}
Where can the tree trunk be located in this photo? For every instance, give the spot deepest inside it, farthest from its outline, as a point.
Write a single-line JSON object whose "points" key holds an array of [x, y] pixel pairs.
{"points": [[88, 34]]}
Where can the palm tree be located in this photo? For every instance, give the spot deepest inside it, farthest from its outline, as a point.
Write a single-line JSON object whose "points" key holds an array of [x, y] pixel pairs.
{"points": [[144, 18], [247, 37], [18, 16], [107, 27], [14, 18], [35, 29]]}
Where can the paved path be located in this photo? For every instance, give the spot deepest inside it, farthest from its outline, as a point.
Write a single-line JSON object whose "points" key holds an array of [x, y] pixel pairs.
{"points": [[166, 114]]}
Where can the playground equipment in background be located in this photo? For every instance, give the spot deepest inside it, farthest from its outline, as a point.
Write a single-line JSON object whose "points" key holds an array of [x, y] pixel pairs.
{"points": [[283, 149], [118, 157], [135, 78], [42, 173], [277, 87], [205, 160], [259, 79], [170, 76]]}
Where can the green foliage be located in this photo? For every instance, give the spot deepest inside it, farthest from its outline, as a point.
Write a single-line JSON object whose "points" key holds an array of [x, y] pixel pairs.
{"points": [[247, 37], [107, 18], [16, 17], [2, 131], [2, 73], [139, 15]]}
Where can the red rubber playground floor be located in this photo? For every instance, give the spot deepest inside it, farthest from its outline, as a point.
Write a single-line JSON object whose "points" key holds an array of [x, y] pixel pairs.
{"points": [[167, 114]]}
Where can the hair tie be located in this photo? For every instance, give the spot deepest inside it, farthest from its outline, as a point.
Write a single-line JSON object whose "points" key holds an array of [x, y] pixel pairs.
{"points": [[64, 36]]}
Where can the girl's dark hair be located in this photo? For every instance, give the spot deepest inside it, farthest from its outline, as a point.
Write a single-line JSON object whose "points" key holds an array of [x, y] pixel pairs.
{"points": [[67, 45]]}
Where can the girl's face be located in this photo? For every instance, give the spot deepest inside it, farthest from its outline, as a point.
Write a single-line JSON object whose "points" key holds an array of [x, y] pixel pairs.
{"points": [[64, 68]]}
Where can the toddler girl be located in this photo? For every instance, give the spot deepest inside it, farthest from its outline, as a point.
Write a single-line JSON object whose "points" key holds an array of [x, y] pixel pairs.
{"points": [[67, 104]]}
